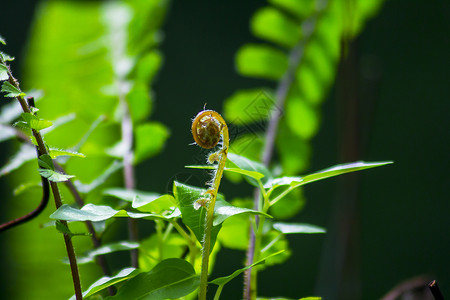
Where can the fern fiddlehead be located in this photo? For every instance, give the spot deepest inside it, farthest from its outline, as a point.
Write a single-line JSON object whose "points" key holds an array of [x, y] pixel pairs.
{"points": [[209, 129]]}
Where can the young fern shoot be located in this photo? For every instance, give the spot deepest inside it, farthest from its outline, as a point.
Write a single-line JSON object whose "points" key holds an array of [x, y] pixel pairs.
{"points": [[209, 129]]}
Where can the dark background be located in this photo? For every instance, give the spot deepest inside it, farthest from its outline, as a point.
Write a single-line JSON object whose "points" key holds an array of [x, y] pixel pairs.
{"points": [[399, 72]]}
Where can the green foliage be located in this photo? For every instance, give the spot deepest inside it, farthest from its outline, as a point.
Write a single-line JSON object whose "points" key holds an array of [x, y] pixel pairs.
{"points": [[10, 90], [171, 278]]}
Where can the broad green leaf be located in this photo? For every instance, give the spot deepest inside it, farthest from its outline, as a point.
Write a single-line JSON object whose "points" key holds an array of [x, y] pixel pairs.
{"points": [[171, 278], [11, 91], [288, 228], [248, 106], [150, 140], [300, 8], [106, 249], [143, 201], [54, 176], [86, 188], [302, 118], [23, 155], [139, 101], [261, 61], [251, 174], [249, 165], [54, 153], [187, 195], [46, 162], [224, 280], [34, 122], [107, 281], [92, 212], [147, 66], [271, 24], [234, 232], [3, 72], [273, 242]]}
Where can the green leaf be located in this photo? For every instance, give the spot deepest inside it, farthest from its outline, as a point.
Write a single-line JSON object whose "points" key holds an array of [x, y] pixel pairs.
{"points": [[107, 281], [144, 201], [261, 61], [171, 278], [54, 176], [46, 162], [11, 91], [174, 246], [224, 280], [94, 213], [54, 153], [249, 165], [302, 118], [289, 205], [187, 195], [25, 154], [150, 139], [107, 249], [271, 24], [327, 173], [139, 101], [34, 122], [234, 232], [288, 228], [2, 40], [3, 72], [248, 106]]}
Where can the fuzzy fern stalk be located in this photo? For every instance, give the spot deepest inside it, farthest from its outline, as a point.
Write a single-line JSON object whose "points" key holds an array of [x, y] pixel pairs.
{"points": [[209, 129]]}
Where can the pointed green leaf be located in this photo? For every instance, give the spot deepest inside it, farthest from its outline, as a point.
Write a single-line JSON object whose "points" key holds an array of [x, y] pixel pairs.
{"points": [[249, 165], [224, 280], [54, 153], [54, 176], [107, 281], [171, 278], [3, 72], [94, 213], [271, 24], [2, 40], [150, 140], [288, 228], [302, 118], [261, 61], [11, 91], [34, 122]]}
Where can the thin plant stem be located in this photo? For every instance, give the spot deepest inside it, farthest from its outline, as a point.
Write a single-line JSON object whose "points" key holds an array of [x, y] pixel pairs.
{"points": [[42, 149]]}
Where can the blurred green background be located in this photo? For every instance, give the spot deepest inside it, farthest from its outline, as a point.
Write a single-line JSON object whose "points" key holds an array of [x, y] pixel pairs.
{"points": [[385, 225]]}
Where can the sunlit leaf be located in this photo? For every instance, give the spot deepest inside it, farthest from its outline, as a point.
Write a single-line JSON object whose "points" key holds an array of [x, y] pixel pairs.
{"points": [[300, 8], [107, 281], [11, 91], [92, 212], [261, 61], [54, 176], [302, 118], [288, 228], [24, 154], [54, 153], [150, 140], [34, 122], [288, 206], [171, 278], [271, 24], [3, 72], [249, 165]]}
